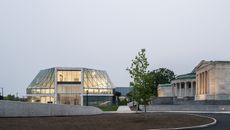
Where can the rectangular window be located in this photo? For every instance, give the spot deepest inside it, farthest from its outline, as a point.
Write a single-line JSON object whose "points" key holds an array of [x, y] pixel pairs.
{"points": [[69, 76], [69, 88]]}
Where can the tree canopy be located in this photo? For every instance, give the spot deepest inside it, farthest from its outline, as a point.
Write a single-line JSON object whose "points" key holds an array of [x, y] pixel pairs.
{"points": [[144, 82], [141, 79], [160, 76]]}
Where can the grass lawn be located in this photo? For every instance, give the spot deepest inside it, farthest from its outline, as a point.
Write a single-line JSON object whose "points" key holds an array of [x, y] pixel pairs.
{"points": [[109, 108]]}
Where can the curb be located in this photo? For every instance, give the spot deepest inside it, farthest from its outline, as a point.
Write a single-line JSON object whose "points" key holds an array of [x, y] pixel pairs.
{"points": [[197, 112], [192, 127]]}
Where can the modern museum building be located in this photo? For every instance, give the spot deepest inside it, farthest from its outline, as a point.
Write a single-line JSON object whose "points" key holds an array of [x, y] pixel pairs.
{"points": [[74, 86]]}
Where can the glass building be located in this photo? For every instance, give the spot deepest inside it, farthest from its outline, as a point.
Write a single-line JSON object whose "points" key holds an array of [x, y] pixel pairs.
{"points": [[123, 90], [75, 86]]}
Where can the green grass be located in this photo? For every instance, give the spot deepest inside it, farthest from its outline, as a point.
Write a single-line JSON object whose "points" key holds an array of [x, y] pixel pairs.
{"points": [[109, 108]]}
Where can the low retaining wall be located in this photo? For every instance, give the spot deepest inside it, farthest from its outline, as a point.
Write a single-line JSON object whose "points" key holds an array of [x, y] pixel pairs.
{"points": [[213, 108], [187, 101], [23, 109]]}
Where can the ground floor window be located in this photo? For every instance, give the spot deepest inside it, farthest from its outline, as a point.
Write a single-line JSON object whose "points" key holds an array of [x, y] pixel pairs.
{"points": [[97, 100], [72, 99], [41, 99]]}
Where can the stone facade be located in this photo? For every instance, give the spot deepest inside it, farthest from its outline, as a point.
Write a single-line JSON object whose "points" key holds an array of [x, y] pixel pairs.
{"points": [[213, 80], [209, 81], [164, 90]]}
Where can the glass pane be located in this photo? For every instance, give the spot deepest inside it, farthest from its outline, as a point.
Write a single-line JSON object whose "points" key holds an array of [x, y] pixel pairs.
{"points": [[69, 76]]}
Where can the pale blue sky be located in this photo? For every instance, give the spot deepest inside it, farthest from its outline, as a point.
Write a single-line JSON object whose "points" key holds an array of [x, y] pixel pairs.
{"points": [[107, 34]]}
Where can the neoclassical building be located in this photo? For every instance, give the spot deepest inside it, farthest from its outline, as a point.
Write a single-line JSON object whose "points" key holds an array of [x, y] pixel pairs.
{"points": [[213, 80], [209, 80], [184, 85]]}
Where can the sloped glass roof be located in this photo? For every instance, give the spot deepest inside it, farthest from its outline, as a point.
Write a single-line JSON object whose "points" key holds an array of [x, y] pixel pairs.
{"points": [[44, 79], [96, 79]]}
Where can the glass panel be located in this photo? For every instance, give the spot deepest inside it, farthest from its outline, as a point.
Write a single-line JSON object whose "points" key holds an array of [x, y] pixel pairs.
{"points": [[40, 91], [72, 99], [44, 79], [97, 100], [69, 76], [97, 82], [69, 88]]}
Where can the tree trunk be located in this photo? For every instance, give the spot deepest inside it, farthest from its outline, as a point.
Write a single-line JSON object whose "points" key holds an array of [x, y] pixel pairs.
{"points": [[145, 107]]}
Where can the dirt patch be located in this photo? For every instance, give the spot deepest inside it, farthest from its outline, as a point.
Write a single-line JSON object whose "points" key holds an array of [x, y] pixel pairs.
{"points": [[104, 122]]}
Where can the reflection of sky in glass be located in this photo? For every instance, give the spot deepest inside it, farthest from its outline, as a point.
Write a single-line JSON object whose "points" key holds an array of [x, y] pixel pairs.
{"points": [[44, 79], [96, 79]]}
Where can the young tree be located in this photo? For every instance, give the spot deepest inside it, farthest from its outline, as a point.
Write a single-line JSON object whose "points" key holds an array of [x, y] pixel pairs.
{"points": [[141, 79]]}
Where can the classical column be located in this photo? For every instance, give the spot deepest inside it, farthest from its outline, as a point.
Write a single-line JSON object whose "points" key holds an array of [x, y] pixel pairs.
{"points": [[208, 82], [197, 83], [175, 90], [180, 89], [200, 84], [192, 89], [205, 84], [185, 89]]}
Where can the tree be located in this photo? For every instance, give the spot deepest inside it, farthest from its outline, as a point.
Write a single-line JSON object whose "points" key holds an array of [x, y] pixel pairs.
{"points": [[11, 98], [141, 79], [160, 76]]}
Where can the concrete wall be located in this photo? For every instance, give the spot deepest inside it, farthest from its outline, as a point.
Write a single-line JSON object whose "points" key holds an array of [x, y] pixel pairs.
{"points": [[187, 108], [186, 101], [23, 109]]}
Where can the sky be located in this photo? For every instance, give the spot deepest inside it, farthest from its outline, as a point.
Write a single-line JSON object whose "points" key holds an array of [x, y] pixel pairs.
{"points": [[107, 35]]}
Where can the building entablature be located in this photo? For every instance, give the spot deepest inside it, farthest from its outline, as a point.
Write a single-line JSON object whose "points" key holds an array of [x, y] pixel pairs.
{"points": [[183, 81], [190, 77]]}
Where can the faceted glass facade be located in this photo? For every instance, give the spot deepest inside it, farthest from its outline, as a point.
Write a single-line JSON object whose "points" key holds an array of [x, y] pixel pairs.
{"points": [[42, 85], [71, 86], [97, 82]]}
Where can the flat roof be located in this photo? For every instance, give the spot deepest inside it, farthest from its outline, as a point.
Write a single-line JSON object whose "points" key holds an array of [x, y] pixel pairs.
{"points": [[164, 85], [72, 68]]}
